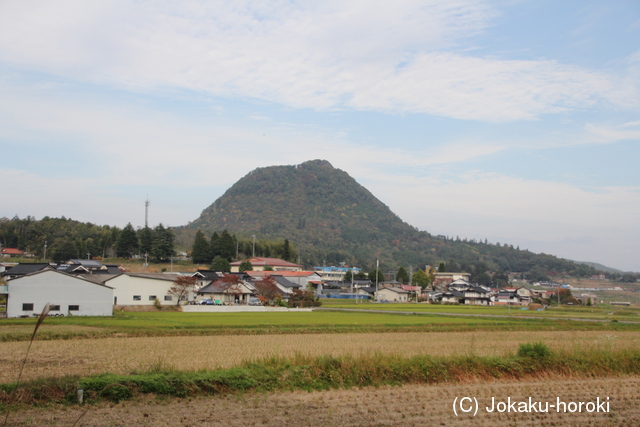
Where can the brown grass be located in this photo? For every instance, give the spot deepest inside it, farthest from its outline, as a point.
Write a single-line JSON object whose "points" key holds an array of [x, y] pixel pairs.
{"points": [[124, 355], [412, 405]]}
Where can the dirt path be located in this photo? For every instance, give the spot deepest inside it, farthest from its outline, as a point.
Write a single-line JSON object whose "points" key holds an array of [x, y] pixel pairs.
{"points": [[412, 405]]}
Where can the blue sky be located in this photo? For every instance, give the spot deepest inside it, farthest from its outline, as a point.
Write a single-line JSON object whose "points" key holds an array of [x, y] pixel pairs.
{"points": [[514, 121]]}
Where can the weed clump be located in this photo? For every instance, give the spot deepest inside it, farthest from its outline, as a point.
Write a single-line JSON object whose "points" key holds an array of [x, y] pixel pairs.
{"points": [[538, 350]]}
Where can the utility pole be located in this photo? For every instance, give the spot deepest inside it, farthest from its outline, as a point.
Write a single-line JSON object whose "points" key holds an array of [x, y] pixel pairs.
{"points": [[254, 246], [377, 267], [352, 285], [146, 212], [45, 250]]}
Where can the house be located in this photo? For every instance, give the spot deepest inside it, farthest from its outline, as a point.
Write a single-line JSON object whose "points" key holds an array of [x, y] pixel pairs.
{"points": [[452, 297], [334, 273], [259, 264], [301, 278], [391, 294], [477, 295], [11, 252], [508, 296], [204, 277], [141, 288], [228, 294], [23, 269], [65, 293], [443, 279]]}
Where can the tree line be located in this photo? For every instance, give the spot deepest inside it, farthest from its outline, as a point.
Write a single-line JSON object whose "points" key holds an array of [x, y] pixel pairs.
{"points": [[222, 248], [62, 239]]}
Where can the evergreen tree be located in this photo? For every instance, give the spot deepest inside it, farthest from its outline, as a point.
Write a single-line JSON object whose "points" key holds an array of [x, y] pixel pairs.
{"points": [[286, 250], [402, 276], [214, 246], [220, 264], [127, 244], [65, 251], [227, 246], [245, 266], [162, 248], [200, 251], [372, 276], [146, 240]]}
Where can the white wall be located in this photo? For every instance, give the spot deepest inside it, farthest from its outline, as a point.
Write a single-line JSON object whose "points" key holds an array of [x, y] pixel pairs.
{"points": [[58, 289], [127, 286]]}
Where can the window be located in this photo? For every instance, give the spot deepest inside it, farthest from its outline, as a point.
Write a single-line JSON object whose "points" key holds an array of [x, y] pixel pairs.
{"points": [[27, 307], [54, 307], [137, 298], [168, 298], [152, 297], [74, 308]]}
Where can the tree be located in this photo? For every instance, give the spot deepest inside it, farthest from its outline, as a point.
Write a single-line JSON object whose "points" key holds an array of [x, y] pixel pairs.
{"points": [[221, 264], [200, 251], [226, 245], [245, 266], [500, 278], [266, 289], [347, 276], [306, 298], [484, 279], [214, 246], [402, 276], [146, 240], [182, 286], [420, 278], [286, 251], [127, 244], [360, 275], [536, 275], [267, 267], [162, 248], [65, 251], [442, 268], [372, 275]]}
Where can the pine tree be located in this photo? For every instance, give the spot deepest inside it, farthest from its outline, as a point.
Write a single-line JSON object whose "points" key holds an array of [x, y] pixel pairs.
{"points": [[214, 246], [402, 276], [127, 244], [227, 246], [162, 248], [200, 251], [146, 240]]}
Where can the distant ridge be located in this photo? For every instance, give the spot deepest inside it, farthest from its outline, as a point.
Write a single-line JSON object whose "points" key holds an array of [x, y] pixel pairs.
{"points": [[332, 219]]}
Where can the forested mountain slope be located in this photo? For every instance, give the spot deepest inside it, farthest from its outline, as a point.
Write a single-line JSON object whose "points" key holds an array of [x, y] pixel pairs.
{"points": [[330, 218]]}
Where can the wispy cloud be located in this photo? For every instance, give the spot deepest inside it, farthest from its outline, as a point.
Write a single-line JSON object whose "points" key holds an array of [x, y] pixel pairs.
{"points": [[329, 55]]}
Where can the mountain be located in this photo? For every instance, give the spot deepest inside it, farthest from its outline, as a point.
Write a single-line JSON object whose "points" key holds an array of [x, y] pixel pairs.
{"points": [[330, 218]]}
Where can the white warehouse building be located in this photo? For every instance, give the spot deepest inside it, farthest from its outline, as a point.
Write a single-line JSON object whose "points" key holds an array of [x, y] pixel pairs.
{"points": [[65, 293]]}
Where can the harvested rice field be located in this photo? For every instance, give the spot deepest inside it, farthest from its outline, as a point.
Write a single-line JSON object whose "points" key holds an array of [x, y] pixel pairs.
{"points": [[410, 405], [124, 355]]}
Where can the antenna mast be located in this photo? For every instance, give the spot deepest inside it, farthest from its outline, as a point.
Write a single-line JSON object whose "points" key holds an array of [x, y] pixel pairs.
{"points": [[146, 212]]}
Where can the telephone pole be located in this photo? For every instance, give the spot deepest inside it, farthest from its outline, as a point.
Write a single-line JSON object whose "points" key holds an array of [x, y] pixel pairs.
{"points": [[146, 212]]}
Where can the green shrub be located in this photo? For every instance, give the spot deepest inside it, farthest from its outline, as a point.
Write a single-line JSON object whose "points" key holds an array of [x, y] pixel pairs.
{"points": [[116, 393], [537, 350]]}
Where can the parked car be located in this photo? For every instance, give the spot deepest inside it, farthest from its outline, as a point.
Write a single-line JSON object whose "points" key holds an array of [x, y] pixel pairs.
{"points": [[255, 301], [207, 301]]}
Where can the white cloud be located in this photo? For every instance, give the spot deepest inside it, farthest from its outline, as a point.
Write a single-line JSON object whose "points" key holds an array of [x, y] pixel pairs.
{"points": [[325, 55]]}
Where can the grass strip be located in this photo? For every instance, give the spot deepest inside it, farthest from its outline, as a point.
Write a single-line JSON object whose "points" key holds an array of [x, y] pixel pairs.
{"points": [[322, 373], [455, 325]]}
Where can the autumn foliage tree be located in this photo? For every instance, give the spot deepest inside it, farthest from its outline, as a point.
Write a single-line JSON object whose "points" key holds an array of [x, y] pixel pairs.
{"points": [[182, 286], [266, 289], [305, 298]]}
